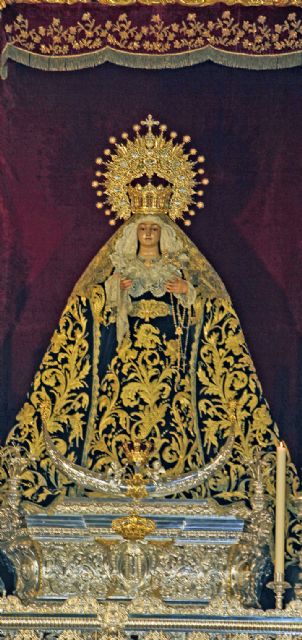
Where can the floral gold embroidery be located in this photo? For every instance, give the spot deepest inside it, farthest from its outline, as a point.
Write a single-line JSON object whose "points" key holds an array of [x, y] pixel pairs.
{"points": [[157, 36], [61, 382], [138, 400], [149, 309]]}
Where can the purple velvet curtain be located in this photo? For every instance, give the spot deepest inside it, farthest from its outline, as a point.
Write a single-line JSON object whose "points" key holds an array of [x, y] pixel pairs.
{"points": [[246, 123]]}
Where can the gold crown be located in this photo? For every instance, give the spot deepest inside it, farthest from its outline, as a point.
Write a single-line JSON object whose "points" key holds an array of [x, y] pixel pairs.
{"points": [[150, 199], [153, 153]]}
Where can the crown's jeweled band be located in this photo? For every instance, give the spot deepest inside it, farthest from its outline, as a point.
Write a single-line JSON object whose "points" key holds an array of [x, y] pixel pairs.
{"points": [[150, 199]]}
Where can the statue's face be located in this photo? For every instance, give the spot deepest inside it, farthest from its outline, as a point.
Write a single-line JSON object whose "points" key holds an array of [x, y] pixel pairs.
{"points": [[148, 234]]}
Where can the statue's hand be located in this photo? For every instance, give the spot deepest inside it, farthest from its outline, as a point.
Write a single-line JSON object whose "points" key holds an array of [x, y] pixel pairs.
{"points": [[177, 286], [126, 283]]}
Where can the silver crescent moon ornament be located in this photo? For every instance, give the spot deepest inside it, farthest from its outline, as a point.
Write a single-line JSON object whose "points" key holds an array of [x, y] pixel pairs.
{"points": [[99, 482]]}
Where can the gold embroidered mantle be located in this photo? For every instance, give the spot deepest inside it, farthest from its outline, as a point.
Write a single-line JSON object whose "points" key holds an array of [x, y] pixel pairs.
{"points": [[102, 396]]}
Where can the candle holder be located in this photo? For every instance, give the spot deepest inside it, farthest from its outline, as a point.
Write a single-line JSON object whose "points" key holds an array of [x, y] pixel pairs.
{"points": [[279, 586], [297, 503]]}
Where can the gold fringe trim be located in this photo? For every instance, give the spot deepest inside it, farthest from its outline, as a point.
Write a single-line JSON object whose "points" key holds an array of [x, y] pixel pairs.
{"points": [[261, 62], [186, 3]]}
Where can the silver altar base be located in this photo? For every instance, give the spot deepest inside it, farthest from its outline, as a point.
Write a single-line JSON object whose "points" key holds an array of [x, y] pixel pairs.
{"points": [[145, 619], [198, 552], [191, 580]]}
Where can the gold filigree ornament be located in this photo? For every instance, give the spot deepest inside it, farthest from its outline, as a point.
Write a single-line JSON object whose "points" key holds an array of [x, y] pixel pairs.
{"points": [[134, 527], [27, 634], [150, 156]]}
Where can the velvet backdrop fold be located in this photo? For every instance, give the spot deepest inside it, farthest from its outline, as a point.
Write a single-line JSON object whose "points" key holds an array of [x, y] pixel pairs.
{"points": [[248, 126]]}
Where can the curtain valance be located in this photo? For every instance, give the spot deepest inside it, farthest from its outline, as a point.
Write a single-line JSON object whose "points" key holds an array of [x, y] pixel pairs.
{"points": [[62, 37]]}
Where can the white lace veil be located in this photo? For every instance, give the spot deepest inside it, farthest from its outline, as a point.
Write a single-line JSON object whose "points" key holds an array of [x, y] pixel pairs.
{"points": [[127, 243], [172, 240]]}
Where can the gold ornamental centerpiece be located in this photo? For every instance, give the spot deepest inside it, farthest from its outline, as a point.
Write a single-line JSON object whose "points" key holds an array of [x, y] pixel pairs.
{"points": [[134, 559], [135, 527]]}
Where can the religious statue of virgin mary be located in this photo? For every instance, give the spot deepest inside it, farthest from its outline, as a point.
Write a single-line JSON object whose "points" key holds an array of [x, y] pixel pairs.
{"points": [[149, 347]]}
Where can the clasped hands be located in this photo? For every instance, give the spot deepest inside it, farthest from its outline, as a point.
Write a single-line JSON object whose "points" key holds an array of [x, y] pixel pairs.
{"points": [[177, 285]]}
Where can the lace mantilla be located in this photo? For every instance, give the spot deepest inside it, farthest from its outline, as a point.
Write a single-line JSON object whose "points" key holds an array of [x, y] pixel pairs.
{"points": [[150, 275]]}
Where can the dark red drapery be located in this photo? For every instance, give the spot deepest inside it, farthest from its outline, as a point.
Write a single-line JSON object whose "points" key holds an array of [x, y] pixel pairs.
{"points": [[246, 123]]}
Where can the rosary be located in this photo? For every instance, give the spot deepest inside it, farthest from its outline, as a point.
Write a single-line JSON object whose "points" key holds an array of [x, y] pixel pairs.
{"points": [[181, 328]]}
